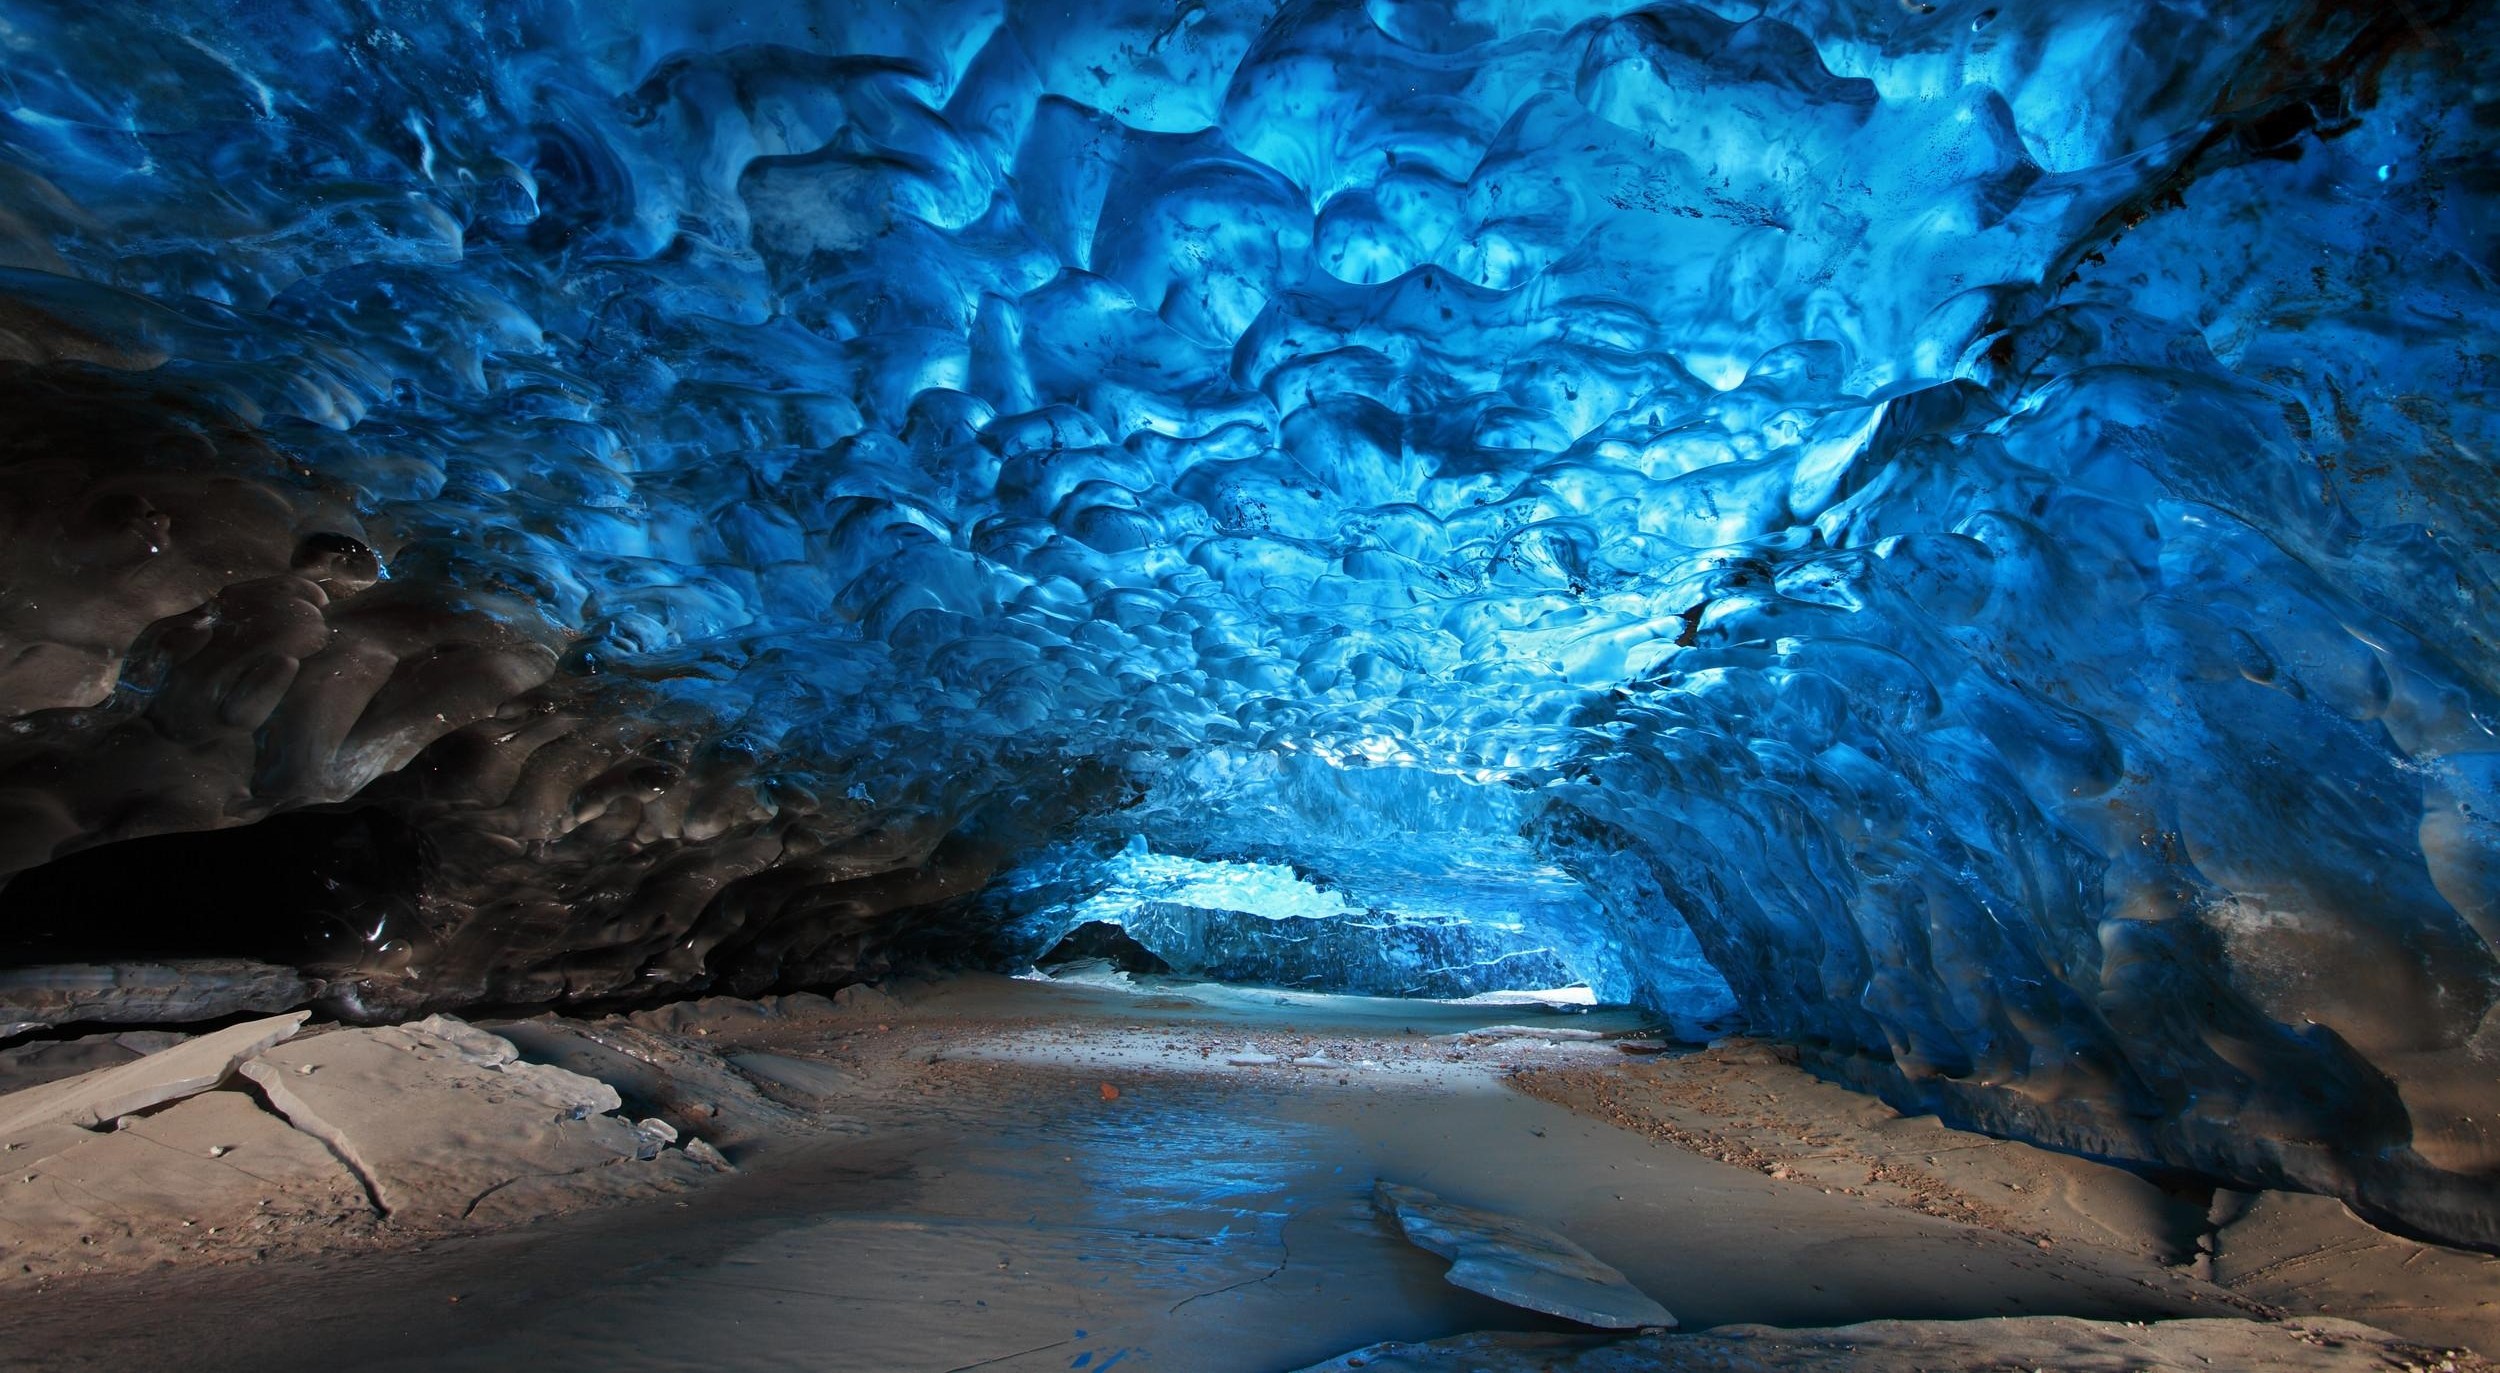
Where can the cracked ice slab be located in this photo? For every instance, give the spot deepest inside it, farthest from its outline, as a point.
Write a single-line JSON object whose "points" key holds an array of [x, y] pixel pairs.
{"points": [[1526, 1265], [205, 1171], [92, 1100], [446, 1127]]}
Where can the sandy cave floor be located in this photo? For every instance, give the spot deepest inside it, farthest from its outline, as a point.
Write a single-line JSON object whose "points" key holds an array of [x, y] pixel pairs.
{"points": [[1020, 1175]]}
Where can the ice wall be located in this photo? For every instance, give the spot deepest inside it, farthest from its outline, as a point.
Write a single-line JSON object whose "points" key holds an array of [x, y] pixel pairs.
{"points": [[1976, 517]]}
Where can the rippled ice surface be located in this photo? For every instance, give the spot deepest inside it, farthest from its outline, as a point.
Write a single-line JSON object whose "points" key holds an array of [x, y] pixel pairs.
{"points": [[1977, 518]]}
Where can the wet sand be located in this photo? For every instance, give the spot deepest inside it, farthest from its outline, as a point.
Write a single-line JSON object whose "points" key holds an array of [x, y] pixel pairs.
{"points": [[1033, 1176]]}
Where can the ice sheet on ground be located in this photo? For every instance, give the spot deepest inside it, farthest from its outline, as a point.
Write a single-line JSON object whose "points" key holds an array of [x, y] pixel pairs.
{"points": [[1526, 1265]]}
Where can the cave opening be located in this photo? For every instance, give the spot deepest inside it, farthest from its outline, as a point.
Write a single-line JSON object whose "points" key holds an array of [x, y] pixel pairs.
{"points": [[1348, 875], [309, 888], [1250, 922]]}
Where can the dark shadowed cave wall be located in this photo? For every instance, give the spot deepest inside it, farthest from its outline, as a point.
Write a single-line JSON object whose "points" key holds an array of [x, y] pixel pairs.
{"points": [[1977, 519]]}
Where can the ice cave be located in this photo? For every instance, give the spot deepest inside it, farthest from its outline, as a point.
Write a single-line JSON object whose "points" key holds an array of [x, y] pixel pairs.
{"points": [[1250, 684]]}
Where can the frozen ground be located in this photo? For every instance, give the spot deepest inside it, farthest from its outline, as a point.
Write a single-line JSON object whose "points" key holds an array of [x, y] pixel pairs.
{"points": [[1000, 1174]]}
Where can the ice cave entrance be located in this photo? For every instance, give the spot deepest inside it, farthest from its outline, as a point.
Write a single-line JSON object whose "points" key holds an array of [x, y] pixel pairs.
{"points": [[1411, 919], [1372, 882], [1246, 921]]}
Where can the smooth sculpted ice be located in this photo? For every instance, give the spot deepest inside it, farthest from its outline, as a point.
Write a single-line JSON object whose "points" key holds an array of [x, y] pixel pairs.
{"points": [[1420, 931], [1972, 520]]}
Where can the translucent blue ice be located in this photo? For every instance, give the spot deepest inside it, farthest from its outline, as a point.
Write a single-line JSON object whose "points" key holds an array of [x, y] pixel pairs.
{"points": [[1976, 519], [1245, 921]]}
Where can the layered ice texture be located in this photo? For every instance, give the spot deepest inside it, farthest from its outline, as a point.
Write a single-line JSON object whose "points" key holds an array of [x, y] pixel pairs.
{"points": [[1975, 521]]}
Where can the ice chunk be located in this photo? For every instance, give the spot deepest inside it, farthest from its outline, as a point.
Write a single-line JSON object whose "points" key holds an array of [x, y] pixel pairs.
{"points": [[1526, 1265], [93, 1100]]}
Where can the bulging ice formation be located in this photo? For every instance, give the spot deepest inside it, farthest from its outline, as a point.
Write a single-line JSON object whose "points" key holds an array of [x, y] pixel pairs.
{"points": [[1967, 528]]}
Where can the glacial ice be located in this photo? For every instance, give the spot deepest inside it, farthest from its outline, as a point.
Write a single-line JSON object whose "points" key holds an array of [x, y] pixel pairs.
{"points": [[1972, 520], [1253, 922], [1512, 1260], [1384, 879]]}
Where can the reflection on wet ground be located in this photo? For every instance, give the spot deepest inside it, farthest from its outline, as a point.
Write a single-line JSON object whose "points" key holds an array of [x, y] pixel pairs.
{"points": [[1089, 1190], [1185, 1224]]}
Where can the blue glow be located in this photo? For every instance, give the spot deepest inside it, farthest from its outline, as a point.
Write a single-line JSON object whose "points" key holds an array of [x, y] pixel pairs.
{"points": [[1268, 890], [1964, 520], [1440, 928]]}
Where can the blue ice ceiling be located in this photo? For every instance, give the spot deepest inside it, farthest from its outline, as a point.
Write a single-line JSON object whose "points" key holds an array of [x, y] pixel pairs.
{"points": [[1976, 519]]}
